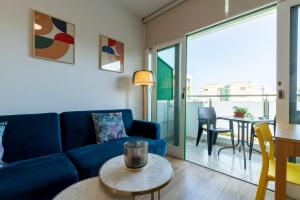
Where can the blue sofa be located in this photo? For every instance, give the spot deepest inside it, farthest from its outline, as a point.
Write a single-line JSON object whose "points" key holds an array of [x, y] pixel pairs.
{"points": [[79, 140], [48, 152]]}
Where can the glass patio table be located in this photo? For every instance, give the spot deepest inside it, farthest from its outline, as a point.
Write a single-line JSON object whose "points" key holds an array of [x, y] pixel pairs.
{"points": [[243, 124]]}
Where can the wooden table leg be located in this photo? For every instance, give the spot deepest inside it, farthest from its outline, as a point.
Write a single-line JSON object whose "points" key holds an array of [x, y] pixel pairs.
{"points": [[158, 194], [152, 196], [282, 149]]}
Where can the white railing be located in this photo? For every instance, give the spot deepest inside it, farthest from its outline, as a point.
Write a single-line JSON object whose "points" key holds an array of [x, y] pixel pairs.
{"points": [[258, 106]]}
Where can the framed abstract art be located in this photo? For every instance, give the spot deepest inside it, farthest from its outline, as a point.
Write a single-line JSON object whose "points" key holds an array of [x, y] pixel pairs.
{"points": [[111, 54], [53, 39]]}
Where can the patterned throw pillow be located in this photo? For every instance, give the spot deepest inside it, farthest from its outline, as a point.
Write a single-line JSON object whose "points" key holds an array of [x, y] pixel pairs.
{"points": [[108, 126], [2, 128]]}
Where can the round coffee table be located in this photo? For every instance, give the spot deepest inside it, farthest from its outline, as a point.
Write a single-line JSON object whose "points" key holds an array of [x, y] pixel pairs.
{"points": [[88, 189], [121, 181]]}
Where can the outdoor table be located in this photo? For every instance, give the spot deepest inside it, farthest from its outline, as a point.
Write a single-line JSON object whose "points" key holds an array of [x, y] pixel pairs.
{"points": [[243, 123]]}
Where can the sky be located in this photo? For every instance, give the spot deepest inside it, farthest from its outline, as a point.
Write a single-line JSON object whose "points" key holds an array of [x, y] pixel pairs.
{"points": [[168, 55], [243, 52]]}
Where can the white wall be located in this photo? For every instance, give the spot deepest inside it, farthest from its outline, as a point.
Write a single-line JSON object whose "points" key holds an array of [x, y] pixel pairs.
{"points": [[30, 85]]}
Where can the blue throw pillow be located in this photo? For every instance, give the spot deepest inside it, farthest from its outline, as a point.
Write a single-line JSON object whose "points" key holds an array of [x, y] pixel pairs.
{"points": [[108, 126], [2, 128]]}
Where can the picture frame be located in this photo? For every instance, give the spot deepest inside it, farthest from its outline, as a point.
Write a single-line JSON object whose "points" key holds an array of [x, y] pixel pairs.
{"points": [[53, 39], [111, 56]]}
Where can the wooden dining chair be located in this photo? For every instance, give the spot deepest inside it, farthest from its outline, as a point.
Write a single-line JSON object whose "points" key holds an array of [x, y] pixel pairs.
{"points": [[253, 135], [264, 136]]}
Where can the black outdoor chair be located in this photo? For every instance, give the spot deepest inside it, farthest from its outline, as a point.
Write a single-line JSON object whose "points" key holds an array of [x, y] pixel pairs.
{"points": [[208, 121]]}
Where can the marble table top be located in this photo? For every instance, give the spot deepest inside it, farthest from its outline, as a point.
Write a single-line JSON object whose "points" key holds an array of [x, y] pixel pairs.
{"points": [[89, 189], [120, 180]]}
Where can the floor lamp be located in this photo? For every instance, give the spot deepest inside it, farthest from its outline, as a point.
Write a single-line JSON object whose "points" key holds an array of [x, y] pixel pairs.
{"points": [[144, 78]]}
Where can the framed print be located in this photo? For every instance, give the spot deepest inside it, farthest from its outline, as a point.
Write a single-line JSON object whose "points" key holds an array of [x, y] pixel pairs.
{"points": [[111, 54], [53, 38]]}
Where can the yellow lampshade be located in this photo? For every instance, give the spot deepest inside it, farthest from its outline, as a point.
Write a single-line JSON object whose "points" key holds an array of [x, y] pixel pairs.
{"points": [[143, 77]]}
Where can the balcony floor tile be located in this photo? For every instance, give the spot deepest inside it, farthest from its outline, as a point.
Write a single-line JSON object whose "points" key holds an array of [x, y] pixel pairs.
{"points": [[227, 162]]}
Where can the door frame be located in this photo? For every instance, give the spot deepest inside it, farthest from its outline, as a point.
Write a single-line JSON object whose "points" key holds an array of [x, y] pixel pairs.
{"points": [[284, 63], [283, 59], [175, 151]]}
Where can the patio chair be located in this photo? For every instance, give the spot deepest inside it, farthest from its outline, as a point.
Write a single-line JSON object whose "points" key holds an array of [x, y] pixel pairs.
{"points": [[208, 121]]}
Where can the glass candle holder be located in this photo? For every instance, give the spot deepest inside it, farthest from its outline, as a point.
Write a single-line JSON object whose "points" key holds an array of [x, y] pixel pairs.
{"points": [[136, 154]]}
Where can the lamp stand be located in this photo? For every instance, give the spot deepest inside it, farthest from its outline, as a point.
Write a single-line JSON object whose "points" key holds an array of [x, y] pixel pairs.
{"points": [[145, 102]]}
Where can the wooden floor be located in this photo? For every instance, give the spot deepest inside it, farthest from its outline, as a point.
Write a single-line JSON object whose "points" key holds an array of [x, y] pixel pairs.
{"points": [[193, 182]]}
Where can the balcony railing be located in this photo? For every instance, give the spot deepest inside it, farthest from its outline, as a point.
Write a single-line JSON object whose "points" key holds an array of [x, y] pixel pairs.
{"points": [[261, 105]]}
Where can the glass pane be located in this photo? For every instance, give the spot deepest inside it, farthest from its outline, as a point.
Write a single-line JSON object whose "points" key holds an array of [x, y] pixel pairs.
{"points": [[167, 112], [294, 63], [298, 60]]}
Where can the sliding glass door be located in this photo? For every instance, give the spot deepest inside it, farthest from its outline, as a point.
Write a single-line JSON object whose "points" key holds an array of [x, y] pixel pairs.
{"points": [[288, 61], [231, 64], [168, 96]]}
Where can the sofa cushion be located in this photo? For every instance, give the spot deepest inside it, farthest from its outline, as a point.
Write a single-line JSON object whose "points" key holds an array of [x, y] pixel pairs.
{"points": [[89, 159], [108, 126], [29, 136], [77, 127], [38, 178]]}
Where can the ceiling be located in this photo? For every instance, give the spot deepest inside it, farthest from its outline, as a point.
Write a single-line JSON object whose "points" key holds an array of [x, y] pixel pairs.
{"points": [[142, 8]]}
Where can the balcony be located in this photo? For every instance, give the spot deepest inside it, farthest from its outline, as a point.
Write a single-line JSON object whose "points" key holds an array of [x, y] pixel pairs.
{"points": [[227, 162]]}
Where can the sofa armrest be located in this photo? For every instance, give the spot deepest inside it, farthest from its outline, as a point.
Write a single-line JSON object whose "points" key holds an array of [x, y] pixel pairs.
{"points": [[145, 129]]}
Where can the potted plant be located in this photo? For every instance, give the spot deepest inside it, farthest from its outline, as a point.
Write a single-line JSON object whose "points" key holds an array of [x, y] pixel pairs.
{"points": [[240, 111]]}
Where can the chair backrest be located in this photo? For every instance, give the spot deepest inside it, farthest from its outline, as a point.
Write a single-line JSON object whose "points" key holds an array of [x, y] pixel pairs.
{"points": [[29, 136], [208, 114], [264, 136], [77, 127]]}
